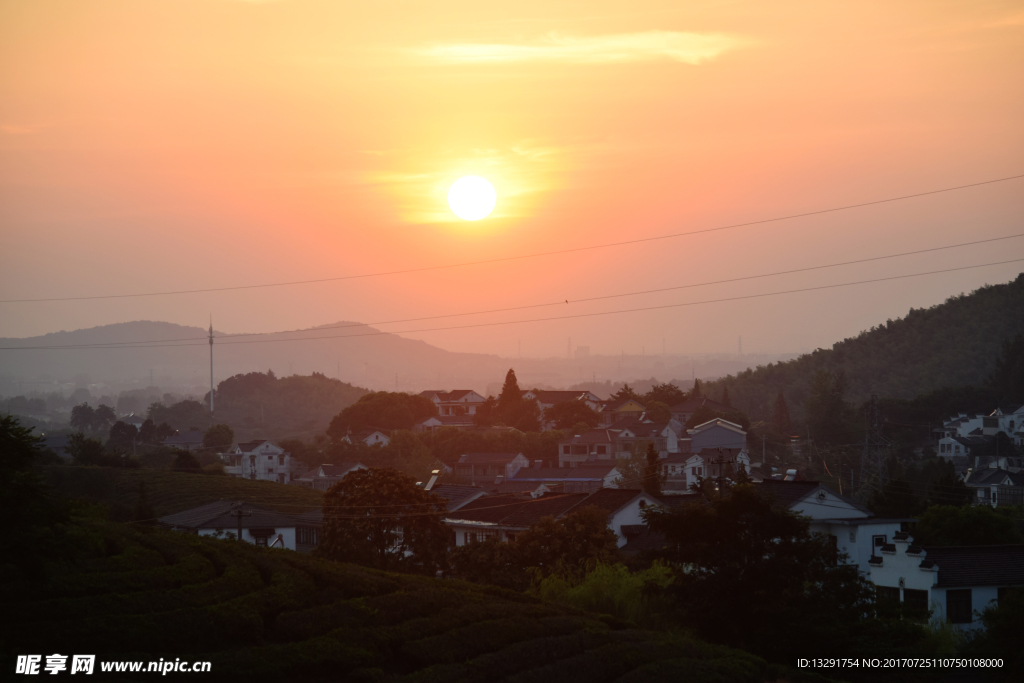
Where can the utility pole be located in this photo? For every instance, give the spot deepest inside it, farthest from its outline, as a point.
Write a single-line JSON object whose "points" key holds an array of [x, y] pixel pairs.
{"points": [[874, 471], [238, 514], [211, 364]]}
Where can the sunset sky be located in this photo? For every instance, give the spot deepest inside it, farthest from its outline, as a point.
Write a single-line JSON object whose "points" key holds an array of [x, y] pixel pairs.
{"points": [[189, 144]]}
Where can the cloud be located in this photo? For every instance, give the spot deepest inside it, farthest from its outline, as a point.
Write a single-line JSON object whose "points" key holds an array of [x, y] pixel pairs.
{"points": [[689, 48]]}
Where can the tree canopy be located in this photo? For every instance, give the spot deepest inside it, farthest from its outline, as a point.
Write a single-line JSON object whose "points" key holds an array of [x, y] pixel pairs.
{"points": [[965, 525], [219, 436], [382, 410], [379, 518], [568, 414]]}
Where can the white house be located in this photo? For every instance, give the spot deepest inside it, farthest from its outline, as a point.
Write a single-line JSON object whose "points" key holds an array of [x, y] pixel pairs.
{"points": [[593, 444], [712, 463], [455, 403], [222, 518], [995, 486], [715, 433], [505, 516], [261, 460], [371, 436], [323, 477], [956, 583]]}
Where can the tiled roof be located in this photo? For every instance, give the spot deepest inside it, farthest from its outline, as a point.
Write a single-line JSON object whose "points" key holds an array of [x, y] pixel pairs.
{"points": [[341, 469], [610, 499], [585, 472], [717, 422], [613, 405], [514, 511], [691, 405], [248, 446], [457, 495], [681, 499], [482, 458], [788, 493], [981, 565], [985, 477], [194, 436], [216, 516], [311, 518]]}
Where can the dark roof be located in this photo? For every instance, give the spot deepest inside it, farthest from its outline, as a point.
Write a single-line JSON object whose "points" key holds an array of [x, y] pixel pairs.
{"points": [[367, 431], [341, 469], [980, 565], [985, 477], [671, 501], [613, 405], [788, 493], [875, 559], [514, 511], [691, 405], [641, 429], [481, 458], [311, 518], [585, 472], [195, 436], [457, 495], [216, 516], [450, 419], [247, 446]]}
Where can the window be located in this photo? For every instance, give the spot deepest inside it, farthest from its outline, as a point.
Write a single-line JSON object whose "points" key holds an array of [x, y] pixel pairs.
{"points": [[270, 457], [280, 460], [958, 606], [876, 544], [602, 450], [565, 450], [307, 535], [270, 470], [887, 593], [916, 600], [479, 536]]}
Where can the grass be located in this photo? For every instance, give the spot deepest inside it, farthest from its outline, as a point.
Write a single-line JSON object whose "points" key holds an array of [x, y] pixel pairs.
{"points": [[170, 492], [130, 592]]}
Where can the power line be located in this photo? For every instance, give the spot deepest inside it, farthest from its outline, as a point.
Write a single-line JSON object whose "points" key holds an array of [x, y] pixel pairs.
{"points": [[562, 302], [528, 320], [640, 240]]}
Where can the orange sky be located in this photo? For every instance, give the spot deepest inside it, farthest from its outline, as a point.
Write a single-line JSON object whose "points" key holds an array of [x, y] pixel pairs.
{"points": [[181, 144]]}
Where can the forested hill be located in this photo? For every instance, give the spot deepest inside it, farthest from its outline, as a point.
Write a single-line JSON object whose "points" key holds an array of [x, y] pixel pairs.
{"points": [[955, 343]]}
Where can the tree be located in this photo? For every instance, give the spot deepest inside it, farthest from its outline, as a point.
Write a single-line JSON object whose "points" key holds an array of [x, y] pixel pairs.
{"points": [[150, 432], [382, 410], [666, 393], [896, 499], [143, 511], [86, 451], [1007, 378], [23, 495], [725, 397], [103, 418], [490, 561], [219, 437], [968, 525], [485, 412], [122, 436], [781, 422], [83, 417], [828, 414], [696, 393], [632, 468], [184, 461], [626, 392], [572, 545], [570, 413], [511, 396], [752, 575], [380, 518], [652, 471], [1002, 624], [658, 412]]}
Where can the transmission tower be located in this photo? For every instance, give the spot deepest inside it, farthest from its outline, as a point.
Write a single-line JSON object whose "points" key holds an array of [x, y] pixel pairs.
{"points": [[874, 470]]}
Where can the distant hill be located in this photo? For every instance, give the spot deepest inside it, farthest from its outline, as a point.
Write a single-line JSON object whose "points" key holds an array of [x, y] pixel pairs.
{"points": [[351, 352], [955, 343]]}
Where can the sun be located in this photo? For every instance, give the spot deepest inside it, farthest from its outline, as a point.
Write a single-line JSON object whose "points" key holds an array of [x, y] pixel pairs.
{"points": [[472, 197]]}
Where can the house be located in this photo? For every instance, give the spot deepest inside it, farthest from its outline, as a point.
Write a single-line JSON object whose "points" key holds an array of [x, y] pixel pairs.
{"points": [[505, 516], [597, 444], [260, 459], [955, 582], [685, 470], [456, 403], [486, 467], [371, 436], [980, 430], [222, 518], [585, 477], [613, 411], [191, 440], [634, 433], [996, 486], [682, 412], [548, 399], [323, 477], [715, 433], [437, 421]]}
